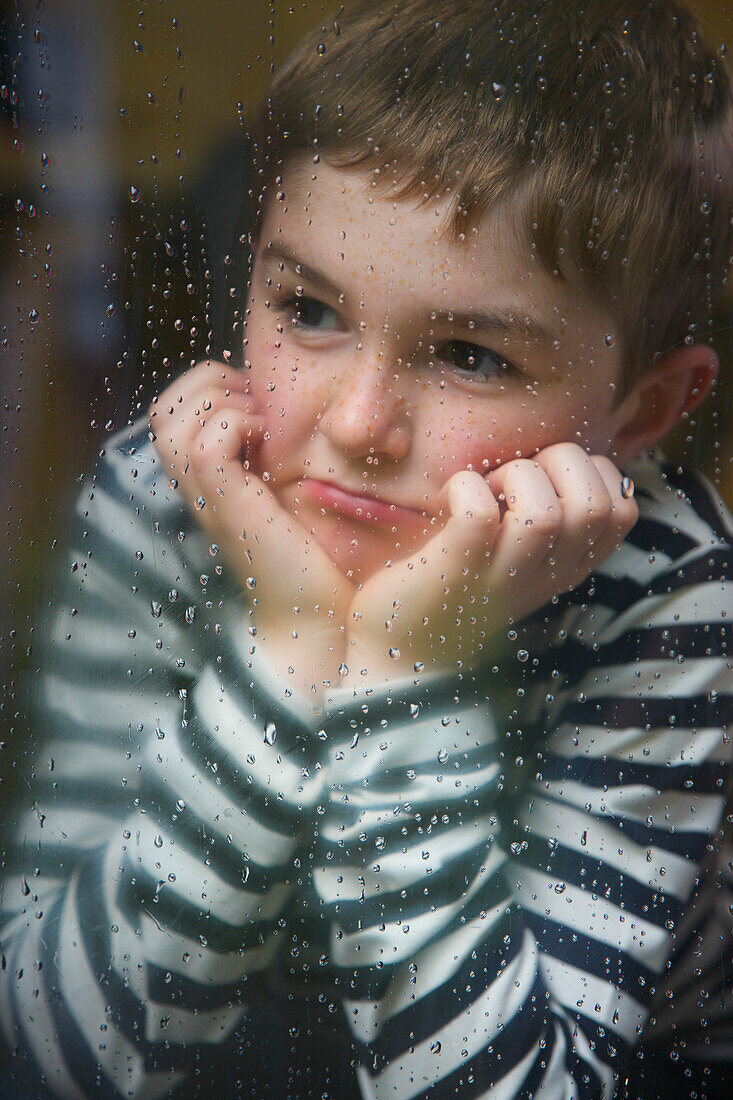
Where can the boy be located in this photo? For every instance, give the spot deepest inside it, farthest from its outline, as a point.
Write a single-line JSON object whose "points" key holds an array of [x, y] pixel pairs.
{"points": [[302, 753]]}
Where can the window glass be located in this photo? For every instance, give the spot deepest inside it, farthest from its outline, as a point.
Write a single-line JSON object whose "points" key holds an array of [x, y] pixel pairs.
{"points": [[360, 735]]}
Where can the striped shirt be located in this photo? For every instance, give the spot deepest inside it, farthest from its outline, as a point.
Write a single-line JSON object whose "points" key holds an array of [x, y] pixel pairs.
{"points": [[489, 872]]}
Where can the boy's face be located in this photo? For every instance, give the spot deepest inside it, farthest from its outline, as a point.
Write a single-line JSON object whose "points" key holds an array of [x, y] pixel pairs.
{"points": [[387, 357]]}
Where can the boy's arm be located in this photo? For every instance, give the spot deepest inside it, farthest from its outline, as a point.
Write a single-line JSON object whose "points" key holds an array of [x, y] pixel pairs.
{"points": [[632, 780], [151, 854], [475, 975]]}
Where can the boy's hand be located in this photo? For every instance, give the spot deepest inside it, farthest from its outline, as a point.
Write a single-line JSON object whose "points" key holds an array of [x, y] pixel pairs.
{"points": [[530, 530], [207, 432]]}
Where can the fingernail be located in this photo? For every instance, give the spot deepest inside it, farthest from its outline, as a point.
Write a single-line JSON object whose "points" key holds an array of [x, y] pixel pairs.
{"points": [[627, 488]]}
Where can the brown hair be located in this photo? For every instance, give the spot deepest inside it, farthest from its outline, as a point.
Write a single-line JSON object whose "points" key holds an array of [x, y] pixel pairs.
{"points": [[608, 123]]}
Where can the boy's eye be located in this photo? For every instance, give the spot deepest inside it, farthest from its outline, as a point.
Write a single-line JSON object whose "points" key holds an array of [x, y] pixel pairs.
{"points": [[310, 313], [473, 359]]}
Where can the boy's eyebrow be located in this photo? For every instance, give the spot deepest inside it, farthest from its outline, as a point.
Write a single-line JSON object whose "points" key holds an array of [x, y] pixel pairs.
{"points": [[479, 323], [312, 274], [500, 322]]}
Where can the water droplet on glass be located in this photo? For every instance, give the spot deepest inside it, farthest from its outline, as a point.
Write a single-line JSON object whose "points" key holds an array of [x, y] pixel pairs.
{"points": [[158, 842], [200, 503], [394, 653], [442, 756], [270, 733], [156, 609], [355, 740], [560, 888], [134, 194], [522, 655], [251, 583], [159, 733], [418, 666], [343, 669], [34, 316], [627, 488], [320, 49], [414, 710], [609, 340]]}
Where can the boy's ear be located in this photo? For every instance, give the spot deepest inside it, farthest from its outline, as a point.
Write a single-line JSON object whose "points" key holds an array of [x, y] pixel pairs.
{"points": [[675, 385]]}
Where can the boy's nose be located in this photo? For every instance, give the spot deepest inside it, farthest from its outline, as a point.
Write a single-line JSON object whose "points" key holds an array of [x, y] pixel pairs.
{"points": [[367, 413]]}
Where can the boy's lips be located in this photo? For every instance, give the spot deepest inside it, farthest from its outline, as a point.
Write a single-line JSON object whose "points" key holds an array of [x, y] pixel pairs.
{"points": [[360, 506]]}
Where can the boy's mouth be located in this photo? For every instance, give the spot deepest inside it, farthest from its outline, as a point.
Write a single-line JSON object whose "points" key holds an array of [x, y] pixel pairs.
{"points": [[360, 506]]}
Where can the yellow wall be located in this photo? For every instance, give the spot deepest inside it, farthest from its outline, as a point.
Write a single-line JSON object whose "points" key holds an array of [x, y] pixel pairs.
{"points": [[228, 49]]}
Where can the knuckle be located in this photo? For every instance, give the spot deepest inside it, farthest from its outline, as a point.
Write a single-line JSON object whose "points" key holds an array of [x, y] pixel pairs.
{"points": [[561, 452], [597, 512], [547, 522]]}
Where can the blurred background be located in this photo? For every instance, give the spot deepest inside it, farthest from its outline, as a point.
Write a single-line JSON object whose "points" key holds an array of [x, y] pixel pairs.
{"points": [[124, 177]]}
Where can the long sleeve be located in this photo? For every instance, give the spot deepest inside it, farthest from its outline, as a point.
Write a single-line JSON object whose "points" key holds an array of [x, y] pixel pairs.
{"points": [[481, 960], [170, 791], [634, 772]]}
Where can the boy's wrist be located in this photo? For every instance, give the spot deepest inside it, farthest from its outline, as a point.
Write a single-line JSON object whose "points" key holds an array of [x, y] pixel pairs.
{"points": [[393, 657], [307, 654]]}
